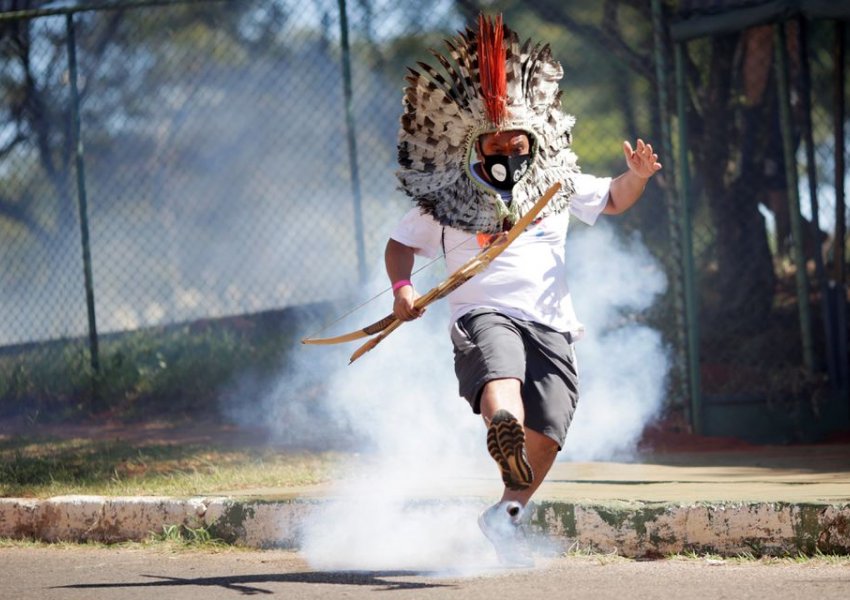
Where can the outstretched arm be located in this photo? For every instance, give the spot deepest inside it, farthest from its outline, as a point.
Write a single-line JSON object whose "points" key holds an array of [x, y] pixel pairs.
{"points": [[628, 187]]}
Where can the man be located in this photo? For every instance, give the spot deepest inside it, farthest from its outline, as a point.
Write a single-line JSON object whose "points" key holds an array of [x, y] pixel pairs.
{"points": [[513, 325]]}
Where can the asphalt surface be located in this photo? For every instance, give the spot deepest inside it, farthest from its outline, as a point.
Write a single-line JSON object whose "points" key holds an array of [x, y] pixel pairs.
{"points": [[70, 573]]}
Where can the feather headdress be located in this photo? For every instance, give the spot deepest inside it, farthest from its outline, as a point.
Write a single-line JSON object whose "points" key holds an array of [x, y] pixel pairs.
{"points": [[490, 83]]}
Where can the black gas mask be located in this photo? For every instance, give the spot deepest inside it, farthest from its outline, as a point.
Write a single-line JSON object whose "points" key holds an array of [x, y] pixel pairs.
{"points": [[503, 170]]}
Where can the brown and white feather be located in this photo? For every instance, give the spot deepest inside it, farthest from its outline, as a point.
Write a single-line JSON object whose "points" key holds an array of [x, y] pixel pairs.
{"points": [[444, 112]]}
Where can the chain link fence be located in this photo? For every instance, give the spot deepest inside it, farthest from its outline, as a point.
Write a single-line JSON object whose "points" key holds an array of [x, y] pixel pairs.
{"points": [[225, 142], [761, 105]]}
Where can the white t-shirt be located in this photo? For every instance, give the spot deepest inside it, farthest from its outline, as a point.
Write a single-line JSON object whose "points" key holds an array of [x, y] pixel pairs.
{"points": [[529, 279]]}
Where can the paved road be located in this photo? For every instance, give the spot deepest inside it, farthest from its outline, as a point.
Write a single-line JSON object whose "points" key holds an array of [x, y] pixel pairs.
{"points": [[119, 574]]}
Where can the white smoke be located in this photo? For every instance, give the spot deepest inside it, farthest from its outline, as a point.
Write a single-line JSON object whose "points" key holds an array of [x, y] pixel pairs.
{"points": [[410, 498], [623, 363], [401, 505], [413, 490]]}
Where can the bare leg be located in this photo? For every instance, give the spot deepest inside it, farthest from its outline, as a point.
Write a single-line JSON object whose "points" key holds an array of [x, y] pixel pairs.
{"points": [[542, 451], [505, 394], [502, 394]]}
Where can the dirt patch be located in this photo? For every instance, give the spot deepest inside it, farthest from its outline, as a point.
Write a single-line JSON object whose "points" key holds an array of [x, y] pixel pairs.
{"points": [[673, 434]]}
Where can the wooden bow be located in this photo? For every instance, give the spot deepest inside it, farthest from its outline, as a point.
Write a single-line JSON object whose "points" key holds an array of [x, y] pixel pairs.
{"points": [[467, 271]]}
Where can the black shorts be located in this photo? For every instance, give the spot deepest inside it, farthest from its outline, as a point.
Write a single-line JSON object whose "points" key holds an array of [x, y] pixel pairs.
{"points": [[489, 345]]}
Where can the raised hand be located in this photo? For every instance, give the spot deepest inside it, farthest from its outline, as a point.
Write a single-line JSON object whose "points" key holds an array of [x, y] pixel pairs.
{"points": [[641, 161]]}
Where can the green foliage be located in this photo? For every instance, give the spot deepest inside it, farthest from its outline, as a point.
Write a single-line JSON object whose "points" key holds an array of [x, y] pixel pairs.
{"points": [[160, 371], [182, 535]]}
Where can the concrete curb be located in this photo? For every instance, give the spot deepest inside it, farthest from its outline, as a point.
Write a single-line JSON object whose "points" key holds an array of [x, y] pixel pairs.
{"points": [[658, 529], [632, 529]]}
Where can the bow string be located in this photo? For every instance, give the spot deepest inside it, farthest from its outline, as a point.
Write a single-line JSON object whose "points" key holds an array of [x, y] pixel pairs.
{"points": [[464, 273]]}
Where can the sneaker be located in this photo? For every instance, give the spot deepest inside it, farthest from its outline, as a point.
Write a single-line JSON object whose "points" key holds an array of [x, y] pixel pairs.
{"points": [[501, 523], [506, 444]]}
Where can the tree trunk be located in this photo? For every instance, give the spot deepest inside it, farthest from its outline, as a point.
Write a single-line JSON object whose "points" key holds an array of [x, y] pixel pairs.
{"points": [[744, 281]]}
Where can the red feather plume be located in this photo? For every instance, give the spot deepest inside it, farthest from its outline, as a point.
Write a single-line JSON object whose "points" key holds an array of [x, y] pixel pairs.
{"points": [[492, 57]]}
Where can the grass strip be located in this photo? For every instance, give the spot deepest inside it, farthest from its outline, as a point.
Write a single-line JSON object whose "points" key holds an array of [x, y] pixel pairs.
{"points": [[52, 467]]}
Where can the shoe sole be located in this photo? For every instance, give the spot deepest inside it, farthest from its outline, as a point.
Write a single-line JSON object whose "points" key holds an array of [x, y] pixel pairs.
{"points": [[506, 444]]}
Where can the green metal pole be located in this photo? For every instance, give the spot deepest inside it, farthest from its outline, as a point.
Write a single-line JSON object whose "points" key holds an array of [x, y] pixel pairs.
{"points": [[793, 197], [674, 259], [840, 291], [352, 142], [684, 178], [828, 319], [81, 200], [839, 58]]}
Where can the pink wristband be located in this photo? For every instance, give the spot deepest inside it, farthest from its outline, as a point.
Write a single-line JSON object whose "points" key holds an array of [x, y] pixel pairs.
{"points": [[400, 284]]}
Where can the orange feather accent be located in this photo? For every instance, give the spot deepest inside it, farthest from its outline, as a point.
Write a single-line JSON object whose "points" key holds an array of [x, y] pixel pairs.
{"points": [[492, 57]]}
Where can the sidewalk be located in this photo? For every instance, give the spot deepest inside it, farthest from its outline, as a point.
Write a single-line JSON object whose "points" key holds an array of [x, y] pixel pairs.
{"points": [[793, 474], [774, 500]]}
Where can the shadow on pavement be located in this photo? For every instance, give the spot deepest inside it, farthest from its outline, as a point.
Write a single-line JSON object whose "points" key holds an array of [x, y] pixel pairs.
{"points": [[243, 583]]}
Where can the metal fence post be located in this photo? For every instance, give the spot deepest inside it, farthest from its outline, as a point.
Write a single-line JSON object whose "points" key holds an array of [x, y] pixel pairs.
{"points": [[828, 319], [840, 289], [802, 279], [674, 262], [352, 142], [82, 203], [687, 244]]}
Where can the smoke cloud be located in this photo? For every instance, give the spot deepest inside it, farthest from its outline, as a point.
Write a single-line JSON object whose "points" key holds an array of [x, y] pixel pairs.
{"points": [[623, 363], [412, 493], [209, 210], [412, 499]]}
